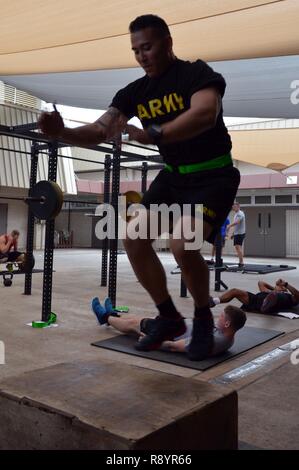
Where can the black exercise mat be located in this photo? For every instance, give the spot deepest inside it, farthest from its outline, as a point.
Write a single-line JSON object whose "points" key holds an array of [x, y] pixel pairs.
{"points": [[247, 338], [258, 268], [247, 268]]}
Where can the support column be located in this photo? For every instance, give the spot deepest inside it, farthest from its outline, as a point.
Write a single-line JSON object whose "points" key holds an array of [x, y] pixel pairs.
{"points": [[30, 217], [107, 170], [114, 202], [49, 241]]}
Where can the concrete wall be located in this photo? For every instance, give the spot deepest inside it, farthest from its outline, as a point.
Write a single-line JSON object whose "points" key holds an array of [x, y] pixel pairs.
{"points": [[79, 224]]}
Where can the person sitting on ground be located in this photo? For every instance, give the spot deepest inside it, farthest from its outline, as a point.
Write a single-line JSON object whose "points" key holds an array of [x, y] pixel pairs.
{"points": [[230, 321], [269, 299], [9, 248]]}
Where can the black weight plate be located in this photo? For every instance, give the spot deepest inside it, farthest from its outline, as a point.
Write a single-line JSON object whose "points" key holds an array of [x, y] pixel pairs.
{"points": [[52, 203]]}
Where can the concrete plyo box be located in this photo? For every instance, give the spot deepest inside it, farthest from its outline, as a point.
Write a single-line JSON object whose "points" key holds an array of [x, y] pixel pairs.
{"points": [[109, 405]]}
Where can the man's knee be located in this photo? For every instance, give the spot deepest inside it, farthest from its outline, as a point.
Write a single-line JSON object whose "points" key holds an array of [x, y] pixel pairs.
{"points": [[236, 292], [136, 245], [180, 253]]}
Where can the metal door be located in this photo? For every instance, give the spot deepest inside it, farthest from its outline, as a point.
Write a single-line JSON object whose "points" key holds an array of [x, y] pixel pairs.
{"points": [[265, 231]]}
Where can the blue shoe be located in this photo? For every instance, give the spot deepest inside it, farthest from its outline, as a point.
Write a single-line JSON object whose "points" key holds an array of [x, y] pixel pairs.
{"points": [[99, 311], [108, 305]]}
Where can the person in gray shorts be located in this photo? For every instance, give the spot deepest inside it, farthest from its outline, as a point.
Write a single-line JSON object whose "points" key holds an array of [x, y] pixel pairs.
{"points": [[229, 322], [239, 225]]}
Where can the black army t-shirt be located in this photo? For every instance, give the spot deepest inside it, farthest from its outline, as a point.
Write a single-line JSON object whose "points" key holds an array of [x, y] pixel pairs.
{"points": [[162, 99]]}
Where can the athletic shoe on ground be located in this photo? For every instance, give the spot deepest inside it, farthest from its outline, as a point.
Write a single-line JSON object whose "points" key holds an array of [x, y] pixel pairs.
{"points": [[160, 329], [99, 311], [108, 305], [202, 341]]}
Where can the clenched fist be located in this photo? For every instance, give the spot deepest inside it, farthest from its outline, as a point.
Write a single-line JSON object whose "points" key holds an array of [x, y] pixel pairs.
{"points": [[51, 124]]}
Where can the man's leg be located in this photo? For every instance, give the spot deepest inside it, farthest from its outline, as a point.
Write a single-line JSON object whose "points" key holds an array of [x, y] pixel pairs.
{"points": [[213, 252], [150, 273], [239, 252], [146, 264], [231, 294], [16, 256], [195, 273], [128, 324]]}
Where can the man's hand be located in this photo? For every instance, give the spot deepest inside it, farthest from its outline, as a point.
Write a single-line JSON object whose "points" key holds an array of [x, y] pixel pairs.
{"points": [[139, 135], [51, 124]]}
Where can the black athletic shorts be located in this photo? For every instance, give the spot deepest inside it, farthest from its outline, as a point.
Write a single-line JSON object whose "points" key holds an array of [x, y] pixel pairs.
{"points": [[214, 189], [284, 301], [10, 257], [238, 239], [255, 302]]}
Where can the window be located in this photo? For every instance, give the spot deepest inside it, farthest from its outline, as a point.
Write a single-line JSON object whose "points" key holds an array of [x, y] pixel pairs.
{"points": [[243, 199], [263, 199], [283, 199]]}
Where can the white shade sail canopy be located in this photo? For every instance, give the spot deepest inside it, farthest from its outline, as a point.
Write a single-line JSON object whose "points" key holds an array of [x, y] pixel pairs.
{"points": [[78, 52], [76, 35], [255, 87]]}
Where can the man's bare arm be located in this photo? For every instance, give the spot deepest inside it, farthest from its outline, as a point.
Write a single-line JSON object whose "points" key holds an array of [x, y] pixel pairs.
{"points": [[175, 346], [110, 124], [264, 287], [291, 289]]}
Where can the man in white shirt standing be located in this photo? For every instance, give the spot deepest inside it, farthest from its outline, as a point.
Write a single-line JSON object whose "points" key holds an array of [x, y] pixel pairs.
{"points": [[239, 231]]}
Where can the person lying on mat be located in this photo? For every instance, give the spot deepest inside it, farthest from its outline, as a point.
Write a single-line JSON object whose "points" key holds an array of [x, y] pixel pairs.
{"points": [[269, 299], [230, 321]]}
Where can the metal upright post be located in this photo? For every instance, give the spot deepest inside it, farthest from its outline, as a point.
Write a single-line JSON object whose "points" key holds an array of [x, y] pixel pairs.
{"points": [[219, 264], [144, 177], [30, 217], [107, 170], [114, 202], [49, 241]]}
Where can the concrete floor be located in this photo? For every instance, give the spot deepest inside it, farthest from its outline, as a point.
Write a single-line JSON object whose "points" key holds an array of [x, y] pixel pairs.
{"points": [[77, 279]]}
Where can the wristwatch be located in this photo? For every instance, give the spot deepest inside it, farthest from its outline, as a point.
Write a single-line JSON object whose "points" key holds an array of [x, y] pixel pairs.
{"points": [[155, 132]]}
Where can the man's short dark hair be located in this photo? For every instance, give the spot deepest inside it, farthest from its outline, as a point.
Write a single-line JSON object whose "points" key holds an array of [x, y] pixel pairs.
{"points": [[149, 21], [236, 316], [15, 233]]}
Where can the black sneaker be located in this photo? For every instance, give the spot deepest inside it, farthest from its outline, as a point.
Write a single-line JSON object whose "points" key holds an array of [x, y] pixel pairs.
{"points": [[157, 330], [202, 341]]}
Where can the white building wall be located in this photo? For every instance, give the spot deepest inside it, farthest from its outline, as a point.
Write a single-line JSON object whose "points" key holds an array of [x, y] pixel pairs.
{"points": [[292, 232], [80, 225], [15, 167]]}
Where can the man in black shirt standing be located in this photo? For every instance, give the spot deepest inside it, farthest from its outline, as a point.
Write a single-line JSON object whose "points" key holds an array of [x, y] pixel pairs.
{"points": [[180, 106]]}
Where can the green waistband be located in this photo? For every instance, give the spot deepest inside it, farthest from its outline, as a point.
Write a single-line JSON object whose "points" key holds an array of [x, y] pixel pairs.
{"points": [[218, 162]]}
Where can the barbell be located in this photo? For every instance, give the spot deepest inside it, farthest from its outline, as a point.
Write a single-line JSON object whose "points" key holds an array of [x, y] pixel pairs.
{"points": [[45, 201]]}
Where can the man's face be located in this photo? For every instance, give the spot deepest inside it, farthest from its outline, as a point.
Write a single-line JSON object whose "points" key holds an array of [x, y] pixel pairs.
{"points": [[235, 207], [152, 52], [222, 321], [15, 237]]}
